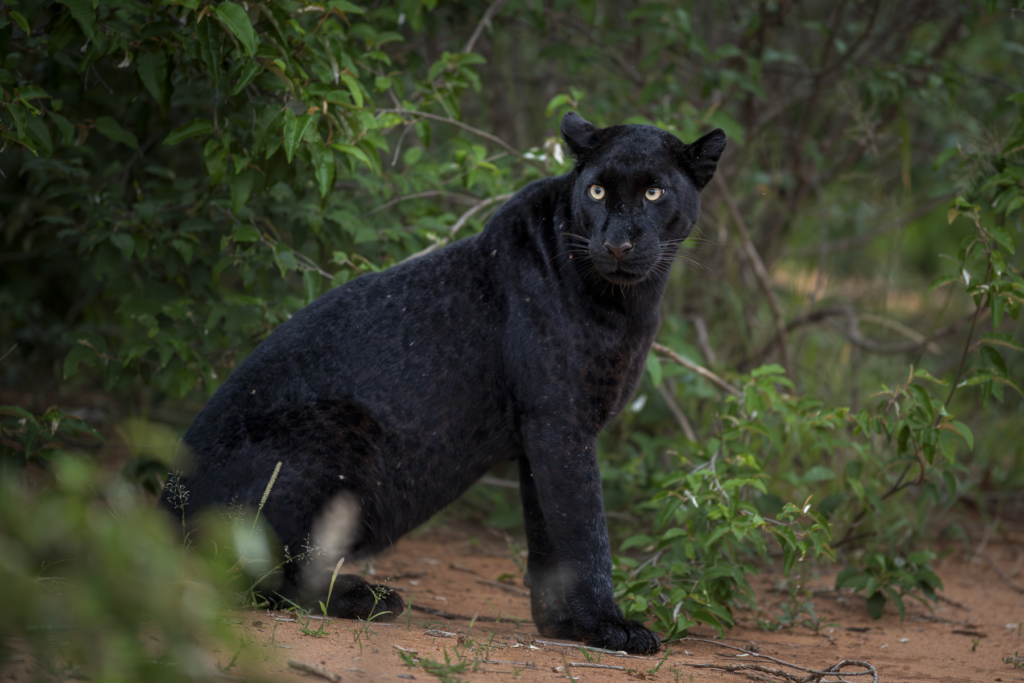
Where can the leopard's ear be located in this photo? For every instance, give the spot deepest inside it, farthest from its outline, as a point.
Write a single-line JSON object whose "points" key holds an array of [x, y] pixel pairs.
{"points": [[579, 134], [700, 158]]}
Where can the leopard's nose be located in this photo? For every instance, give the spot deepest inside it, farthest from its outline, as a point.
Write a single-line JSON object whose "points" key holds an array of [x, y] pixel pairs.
{"points": [[618, 251]]}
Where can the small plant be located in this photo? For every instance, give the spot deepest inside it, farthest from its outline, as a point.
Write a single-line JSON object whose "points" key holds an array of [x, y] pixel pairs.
{"points": [[883, 578], [1015, 660], [445, 672]]}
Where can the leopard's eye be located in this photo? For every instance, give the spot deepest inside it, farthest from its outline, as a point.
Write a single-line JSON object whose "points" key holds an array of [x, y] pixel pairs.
{"points": [[654, 194], [596, 192]]}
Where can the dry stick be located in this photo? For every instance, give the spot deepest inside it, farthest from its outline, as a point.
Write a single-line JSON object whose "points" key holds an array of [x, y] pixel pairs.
{"points": [[1003, 575], [759, 269], [677, 412], [831, 671], [693, 367], [589, 665], [485, 20], [588, 648], [478, 207], [702, 339], [461, 617], [505, 587], [860, 240], [315, 670]]}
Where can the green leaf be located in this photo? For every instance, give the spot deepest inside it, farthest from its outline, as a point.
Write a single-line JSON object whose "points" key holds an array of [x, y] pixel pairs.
{"points": [[31, 92], [876, 605], [354, 151], [152, 67], [84, 14], [250, 72], [1001, 236], [245, 232], [354, 88], [964, 431], [235, 18], [66, 128], [920, 373], [324, 169], [294, 129], [241, 188], [654, 368], [998, 339], [311, 283], [345, 6], [78, 354], [209, 47], [22, 22], [113, 130], [189, 130], [941, 281]]}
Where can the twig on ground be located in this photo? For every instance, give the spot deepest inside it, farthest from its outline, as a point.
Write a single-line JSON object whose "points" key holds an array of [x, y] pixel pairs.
{"points": [[528, 665], [405, 649], [315, 670], [1003, 576], [815, 675], [462, 617], [693, 367], [761, 273], [949, 601], [505, 587], [589, 665]]}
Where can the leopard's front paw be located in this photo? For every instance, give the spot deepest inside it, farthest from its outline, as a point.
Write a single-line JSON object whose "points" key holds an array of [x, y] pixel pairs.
{"points": [[628, 635]]}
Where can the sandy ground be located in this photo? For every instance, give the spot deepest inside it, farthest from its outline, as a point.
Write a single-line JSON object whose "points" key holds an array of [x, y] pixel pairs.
{"points": [[964, 639], [466, 572]]}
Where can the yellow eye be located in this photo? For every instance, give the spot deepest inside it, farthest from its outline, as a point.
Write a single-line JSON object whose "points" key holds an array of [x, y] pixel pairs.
{"points": [[654, 194], [597, 192]]}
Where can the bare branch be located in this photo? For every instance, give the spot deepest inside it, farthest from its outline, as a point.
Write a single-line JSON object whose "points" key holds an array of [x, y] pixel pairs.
{"points": [[693, 367], [465, 126], [860, 240], [485, 20], [478, 207], [677, 412], [758, 266]]}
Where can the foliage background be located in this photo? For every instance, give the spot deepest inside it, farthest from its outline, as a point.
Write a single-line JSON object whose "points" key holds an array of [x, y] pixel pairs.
{"points": [[178, 178]]}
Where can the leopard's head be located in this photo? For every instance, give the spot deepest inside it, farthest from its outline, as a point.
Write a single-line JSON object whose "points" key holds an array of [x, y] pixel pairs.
{"points": [[636, 195]]}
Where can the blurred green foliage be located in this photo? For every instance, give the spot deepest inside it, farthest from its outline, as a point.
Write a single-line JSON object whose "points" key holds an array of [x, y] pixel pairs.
{"points": [[179, 178]]}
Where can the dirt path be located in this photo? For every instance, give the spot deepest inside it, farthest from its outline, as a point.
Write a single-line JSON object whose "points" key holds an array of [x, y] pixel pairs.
{"points": [[965, 639]]}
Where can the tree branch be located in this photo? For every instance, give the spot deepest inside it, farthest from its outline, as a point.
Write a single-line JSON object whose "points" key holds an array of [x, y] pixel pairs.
{"points": [[758, 266], [485, 20], [458, 196], [693, 367], [465, 126]]}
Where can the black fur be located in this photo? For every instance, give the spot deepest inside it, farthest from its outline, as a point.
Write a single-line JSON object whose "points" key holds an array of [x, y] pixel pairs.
{"points": [[388, 397]]}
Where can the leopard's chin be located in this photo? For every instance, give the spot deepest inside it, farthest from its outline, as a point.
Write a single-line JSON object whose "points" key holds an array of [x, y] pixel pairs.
{"points": [[624, 277]]}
